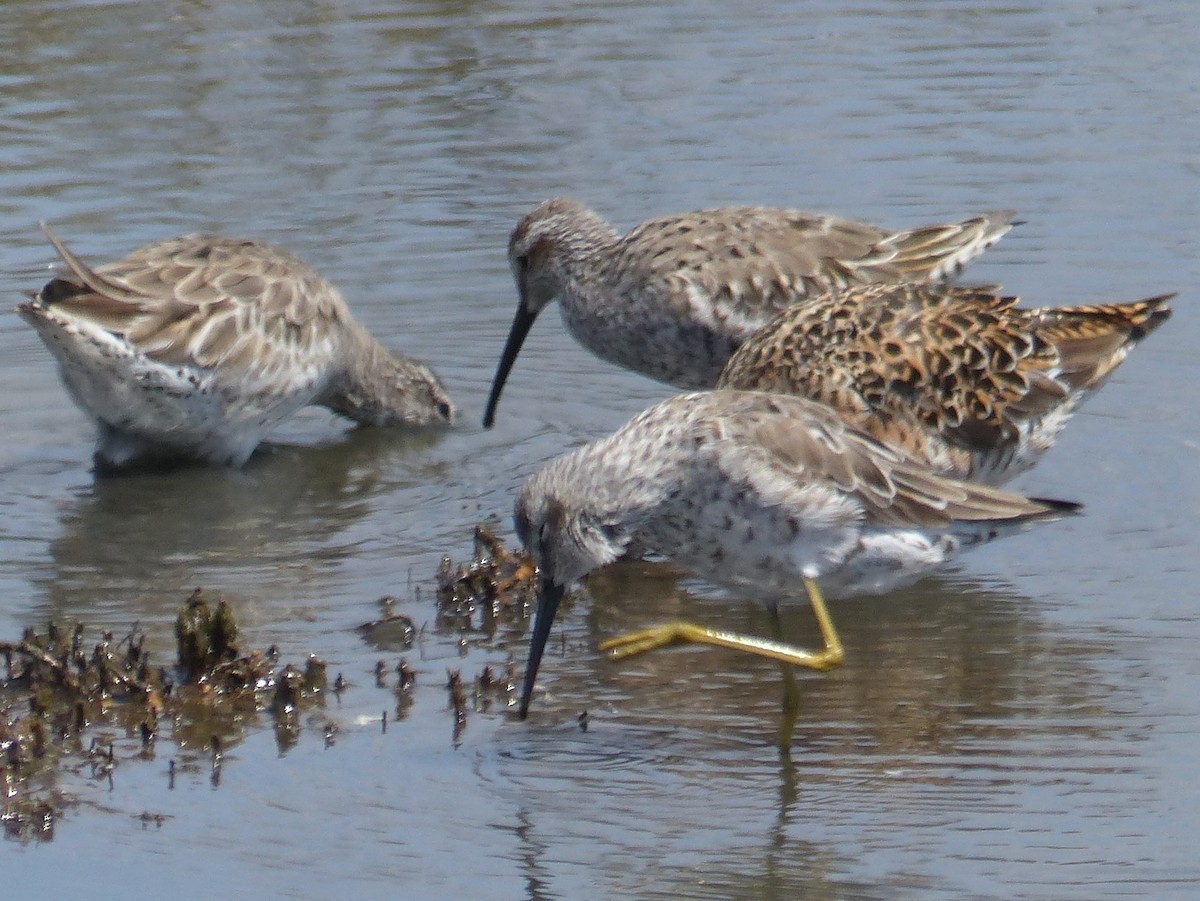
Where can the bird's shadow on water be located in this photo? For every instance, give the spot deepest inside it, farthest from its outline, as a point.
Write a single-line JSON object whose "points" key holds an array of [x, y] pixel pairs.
{"points": [[925, 666], [135, 539]]}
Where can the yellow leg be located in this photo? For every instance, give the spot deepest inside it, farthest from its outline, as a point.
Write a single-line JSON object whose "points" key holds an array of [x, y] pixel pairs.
{"points": [[683, 632]]}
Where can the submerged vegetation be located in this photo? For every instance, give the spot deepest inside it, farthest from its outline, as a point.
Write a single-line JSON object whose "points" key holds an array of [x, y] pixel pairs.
{"points": [[75, 701], [80, 701], [497, 588]]}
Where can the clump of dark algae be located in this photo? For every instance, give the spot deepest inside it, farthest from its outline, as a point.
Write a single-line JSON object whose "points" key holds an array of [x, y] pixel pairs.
{"points": [[496, 588], [79, 702], [74, 701]]}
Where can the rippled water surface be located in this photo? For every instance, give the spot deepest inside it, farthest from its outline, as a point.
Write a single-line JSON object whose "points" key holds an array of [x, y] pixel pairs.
{"points": [[1024, 725]]}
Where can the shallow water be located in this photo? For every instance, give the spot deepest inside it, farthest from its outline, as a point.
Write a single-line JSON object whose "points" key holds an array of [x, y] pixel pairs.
{"points": [[1025, 725]]}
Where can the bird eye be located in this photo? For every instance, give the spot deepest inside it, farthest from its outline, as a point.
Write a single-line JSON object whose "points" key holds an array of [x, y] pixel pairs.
{"points": [[443, 409]]}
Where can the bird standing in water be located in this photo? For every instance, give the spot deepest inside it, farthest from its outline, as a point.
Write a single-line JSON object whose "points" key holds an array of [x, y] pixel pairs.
{"points": [[760, 493], [195, 347]]}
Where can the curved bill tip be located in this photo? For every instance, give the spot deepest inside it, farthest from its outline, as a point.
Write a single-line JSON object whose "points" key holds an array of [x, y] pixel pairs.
{"points": [[521, 325], [549, 597]]}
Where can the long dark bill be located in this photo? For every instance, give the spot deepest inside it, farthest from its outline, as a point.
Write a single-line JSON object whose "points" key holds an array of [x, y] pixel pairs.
{"points": [[548, 599], [521, 325]]}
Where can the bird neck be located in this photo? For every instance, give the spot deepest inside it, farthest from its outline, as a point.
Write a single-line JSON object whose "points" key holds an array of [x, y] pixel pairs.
{"points": [[360, 389]]}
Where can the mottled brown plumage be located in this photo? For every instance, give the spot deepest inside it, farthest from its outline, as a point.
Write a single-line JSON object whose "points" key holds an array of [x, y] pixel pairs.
{"points": [[675, 297], [959, 378], [767, 493], [196, 346]]}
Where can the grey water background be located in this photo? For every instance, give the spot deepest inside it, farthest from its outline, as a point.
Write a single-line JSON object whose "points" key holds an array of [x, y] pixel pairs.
{"points": [[1024, 725]]}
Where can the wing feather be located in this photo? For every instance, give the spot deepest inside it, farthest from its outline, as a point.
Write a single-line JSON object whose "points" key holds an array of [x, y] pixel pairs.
{"points": [[784, 446], [233, 307], [745, 260], [957, 369]]}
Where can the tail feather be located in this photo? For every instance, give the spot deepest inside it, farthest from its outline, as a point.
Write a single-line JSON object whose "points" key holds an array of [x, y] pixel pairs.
{"points": [[1093, 340], [938, 252], [114, 291], [1056, 509]]}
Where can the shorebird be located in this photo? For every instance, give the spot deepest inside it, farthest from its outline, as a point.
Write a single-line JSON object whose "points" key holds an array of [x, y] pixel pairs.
{"points": [[760, 493], [961, 379], [194, 348], [675, 297]]}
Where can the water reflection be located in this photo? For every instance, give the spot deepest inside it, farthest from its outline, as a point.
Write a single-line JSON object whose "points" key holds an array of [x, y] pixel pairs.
{"points": [[955, 696], [133, 546], [920, 663], [978, 743]]}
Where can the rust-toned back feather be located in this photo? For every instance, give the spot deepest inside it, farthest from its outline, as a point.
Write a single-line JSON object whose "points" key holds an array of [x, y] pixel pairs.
{"points": [[674, 297], [960, 378]]}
